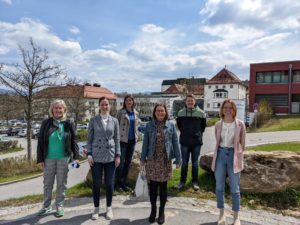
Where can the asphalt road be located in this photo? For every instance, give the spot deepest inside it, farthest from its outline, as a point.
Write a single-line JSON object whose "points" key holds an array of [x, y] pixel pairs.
{"points": [[35, 186]]}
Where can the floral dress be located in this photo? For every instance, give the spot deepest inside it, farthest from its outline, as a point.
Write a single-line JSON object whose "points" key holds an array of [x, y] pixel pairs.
{"points": [[159, 168]]}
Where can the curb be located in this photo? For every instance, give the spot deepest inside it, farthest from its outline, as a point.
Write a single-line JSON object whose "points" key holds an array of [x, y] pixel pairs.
{"points": [[31, 177]]}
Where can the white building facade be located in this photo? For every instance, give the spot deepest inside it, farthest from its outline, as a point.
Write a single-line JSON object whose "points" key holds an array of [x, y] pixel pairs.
{"points": [[222, 86]]}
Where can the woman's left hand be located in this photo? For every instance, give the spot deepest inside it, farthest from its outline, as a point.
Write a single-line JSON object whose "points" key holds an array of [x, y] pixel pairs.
{"points": [[117, 161], [177, 166]]}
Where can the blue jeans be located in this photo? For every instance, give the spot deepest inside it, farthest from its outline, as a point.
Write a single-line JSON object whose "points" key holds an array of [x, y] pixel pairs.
{"points": [[185, 153], [224, 165], [122, 170], [109, 173]]}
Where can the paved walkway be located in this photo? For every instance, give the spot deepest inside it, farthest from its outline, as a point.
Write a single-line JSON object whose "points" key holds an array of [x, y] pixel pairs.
{"points": [[128, 210], [76, 176]]}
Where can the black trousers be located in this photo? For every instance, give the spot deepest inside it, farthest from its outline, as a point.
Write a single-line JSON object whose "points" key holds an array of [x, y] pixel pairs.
{"points": [[162, 193]]}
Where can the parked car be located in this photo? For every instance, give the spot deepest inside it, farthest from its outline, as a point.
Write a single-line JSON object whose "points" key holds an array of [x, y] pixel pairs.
{"points": [[2, 139], [82, 148], [142, 127], [12, 131], [82, 127], [35, 134], [23, 133], [146, 118], [3, 130]]}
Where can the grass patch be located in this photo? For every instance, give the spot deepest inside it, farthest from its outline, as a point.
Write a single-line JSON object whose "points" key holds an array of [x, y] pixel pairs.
{"points": [[289, 199], [286, 146], [285, 123], [26, 200], [10, 150], [212, 121], [17, 168], [18, 177]]}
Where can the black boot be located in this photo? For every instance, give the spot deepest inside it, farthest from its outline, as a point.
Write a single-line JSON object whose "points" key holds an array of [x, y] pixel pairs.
{"points": [[152, 214], [161, 216]]}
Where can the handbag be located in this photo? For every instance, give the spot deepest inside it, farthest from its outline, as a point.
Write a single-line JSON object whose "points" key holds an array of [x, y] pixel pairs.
{"points": [[141, 186]]}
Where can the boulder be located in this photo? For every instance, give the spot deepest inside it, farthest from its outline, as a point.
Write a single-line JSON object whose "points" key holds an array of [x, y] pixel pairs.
{"points": [[266, 172], [134, 167], [133, 172]]}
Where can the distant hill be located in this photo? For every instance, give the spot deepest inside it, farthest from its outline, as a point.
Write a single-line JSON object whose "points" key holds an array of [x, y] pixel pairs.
{"points": [[2, 90]]}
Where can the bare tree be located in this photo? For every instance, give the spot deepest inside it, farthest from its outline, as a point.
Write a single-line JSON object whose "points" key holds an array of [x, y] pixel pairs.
{"points": [[29, 77], [11, 106], [75, 100]]}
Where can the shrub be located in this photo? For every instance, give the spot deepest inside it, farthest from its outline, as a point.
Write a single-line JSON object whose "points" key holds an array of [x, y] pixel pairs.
{"points": [[82, 135], [17, 166], [264, 114], [6, 145]]}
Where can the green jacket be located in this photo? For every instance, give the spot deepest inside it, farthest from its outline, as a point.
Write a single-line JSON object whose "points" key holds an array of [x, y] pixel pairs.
{"points": [[191, 123]]}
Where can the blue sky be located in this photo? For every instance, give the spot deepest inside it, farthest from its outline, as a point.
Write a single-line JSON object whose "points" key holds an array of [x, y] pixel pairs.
{"points": [[132, 45]]}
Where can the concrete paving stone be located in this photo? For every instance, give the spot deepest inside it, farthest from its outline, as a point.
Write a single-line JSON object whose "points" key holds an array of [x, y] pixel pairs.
{"points": [[128, 210]]}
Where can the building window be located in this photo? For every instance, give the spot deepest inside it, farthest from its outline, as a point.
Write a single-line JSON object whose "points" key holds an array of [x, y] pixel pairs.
{"points": [[273, 99], [216, 105], [296, 76], [220, 95], [224, 86], [209, 86], [231, 86], [268, 77], [208, 105], [217, 86], [272, 77]]}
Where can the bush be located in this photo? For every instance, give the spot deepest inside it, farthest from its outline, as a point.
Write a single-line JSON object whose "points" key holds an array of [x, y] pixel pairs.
{"points": [[82, 135], [17, 166], [264, 114], [6, 145]]}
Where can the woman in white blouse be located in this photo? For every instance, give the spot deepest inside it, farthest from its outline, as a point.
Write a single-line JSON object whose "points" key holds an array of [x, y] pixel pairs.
{"points": [[228, 158]]}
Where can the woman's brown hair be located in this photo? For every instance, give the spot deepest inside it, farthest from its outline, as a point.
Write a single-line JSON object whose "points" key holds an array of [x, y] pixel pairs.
{"points": [[233, 107], [164, 106], [125, 98]]}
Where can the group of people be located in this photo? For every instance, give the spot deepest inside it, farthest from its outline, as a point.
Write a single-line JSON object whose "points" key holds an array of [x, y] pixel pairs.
{"points": [[111, 143]]}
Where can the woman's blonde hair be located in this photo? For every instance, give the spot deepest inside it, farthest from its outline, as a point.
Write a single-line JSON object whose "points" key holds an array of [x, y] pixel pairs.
{"points": [[233, 107], [61, 102]]}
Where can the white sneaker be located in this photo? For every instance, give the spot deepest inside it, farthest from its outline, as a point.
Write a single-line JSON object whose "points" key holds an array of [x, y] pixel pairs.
{"points": [[179, 185], [196, 186], [95, 214], [109, 213]]}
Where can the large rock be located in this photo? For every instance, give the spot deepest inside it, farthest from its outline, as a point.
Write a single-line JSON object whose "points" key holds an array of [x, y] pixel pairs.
{"points": [[266, 172], [133, 172]]}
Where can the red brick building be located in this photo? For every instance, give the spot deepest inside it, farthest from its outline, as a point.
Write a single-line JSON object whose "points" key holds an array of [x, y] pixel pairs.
{"points": [[278, 83]]}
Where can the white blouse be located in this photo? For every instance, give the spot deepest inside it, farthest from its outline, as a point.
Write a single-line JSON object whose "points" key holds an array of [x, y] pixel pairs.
{"points": [[104, 120], [227, 135]]}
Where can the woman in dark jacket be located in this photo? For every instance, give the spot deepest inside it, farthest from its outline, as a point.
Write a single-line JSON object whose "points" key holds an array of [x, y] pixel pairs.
{"points": [[56, 145]]}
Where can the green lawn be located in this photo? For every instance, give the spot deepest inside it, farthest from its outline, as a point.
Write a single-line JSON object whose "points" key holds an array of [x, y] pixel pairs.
{"points": [[18, 177], [285, 146], [289, 199], [10, 150], [280, 124]]}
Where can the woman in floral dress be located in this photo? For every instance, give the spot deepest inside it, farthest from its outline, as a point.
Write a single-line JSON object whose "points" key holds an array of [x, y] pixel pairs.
{"points": [[160, 146]]}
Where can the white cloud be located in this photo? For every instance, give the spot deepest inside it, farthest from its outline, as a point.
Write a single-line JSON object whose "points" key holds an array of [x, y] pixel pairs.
{"points": [[74, 30], [110, 45], [151, 28], [232, 33], [9, 2], [269, 41]]}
